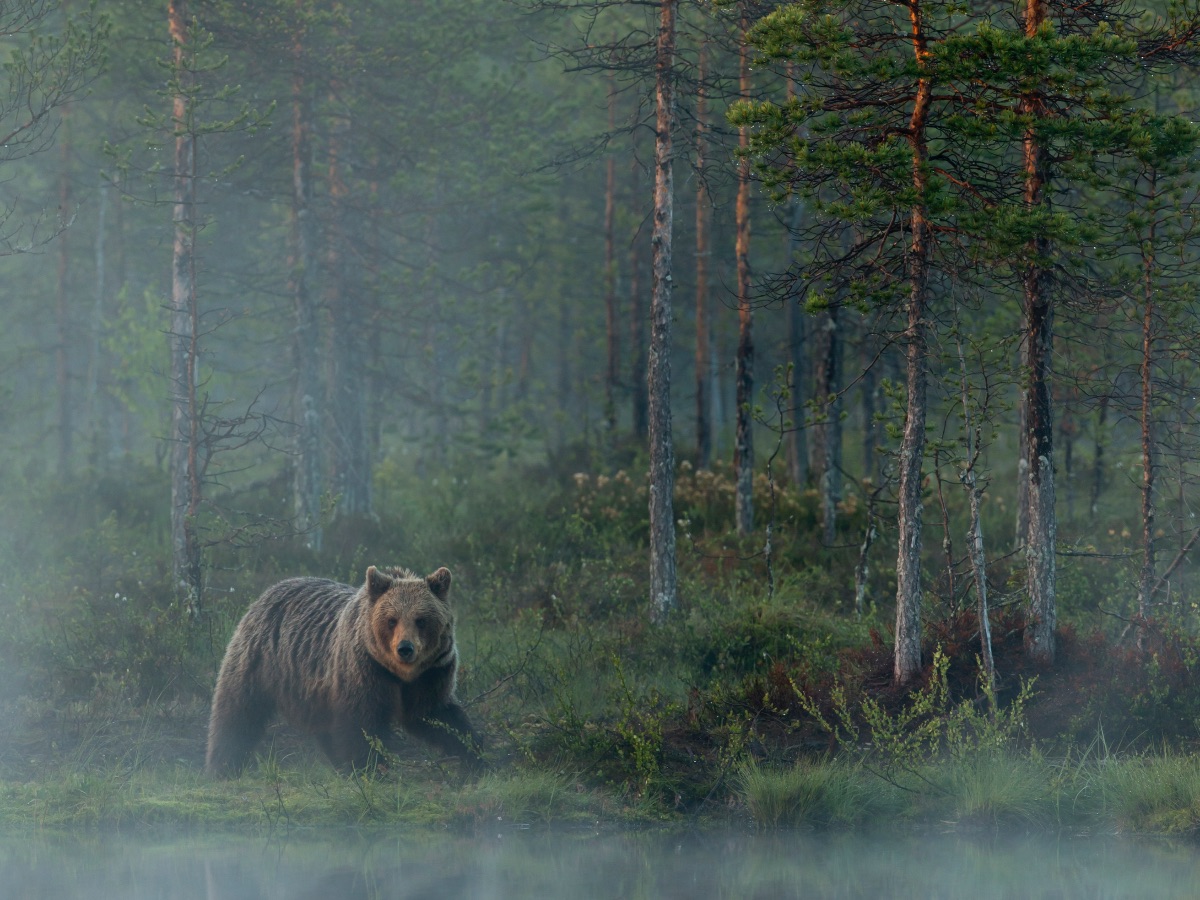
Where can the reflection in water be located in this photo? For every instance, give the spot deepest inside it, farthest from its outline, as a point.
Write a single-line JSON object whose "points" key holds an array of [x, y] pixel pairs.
{"points": [[371, 865]]}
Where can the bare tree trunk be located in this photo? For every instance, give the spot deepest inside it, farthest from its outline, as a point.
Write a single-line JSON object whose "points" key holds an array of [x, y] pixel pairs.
{"points": [[1021, 532], [612, 373], [1149, 455], [797, 445], [1039, 320], [703, 324], [637, 332], [97, 424], [907, 661], [351, 462], [1099, 475], [66, 423], [662, 452], [307, 393], [825, 446], [743, 451], [185, 414], [973, 433]]}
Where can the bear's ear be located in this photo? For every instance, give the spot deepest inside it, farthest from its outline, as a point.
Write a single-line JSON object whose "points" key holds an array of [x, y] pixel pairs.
{"points": [[377, 583], [439, 583]]}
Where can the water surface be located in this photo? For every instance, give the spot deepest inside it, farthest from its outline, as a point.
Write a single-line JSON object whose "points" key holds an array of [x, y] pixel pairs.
{"points": [[514, 863]]}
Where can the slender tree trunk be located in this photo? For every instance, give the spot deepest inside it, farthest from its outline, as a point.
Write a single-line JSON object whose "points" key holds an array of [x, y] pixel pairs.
{"points": [[907, 661], [1039, 342], [637, 341], [97, 424], [347, 346], [825, 447], [797, 445], [1149, 450], [973, 430], [662, 451], [612, 373], [1099, 475], [307, 393], [63, 354], [185, 414], [703, 319], [743, 451]]}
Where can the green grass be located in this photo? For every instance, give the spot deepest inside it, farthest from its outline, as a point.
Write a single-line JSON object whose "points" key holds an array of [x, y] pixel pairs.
{"points": [[1153, 794], [273, 797], [831, 793]]}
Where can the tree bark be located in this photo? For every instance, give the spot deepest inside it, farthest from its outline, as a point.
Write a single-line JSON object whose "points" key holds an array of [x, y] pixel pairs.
{"points": [[743, 452], [612, 372], [1149, 455], [185, 414], [307, 393], [351, 462], [907, 661], [703, 375], [662, 453], [797, 444], [66, 423], [825, 446], [637, 329], [1039, 341]]}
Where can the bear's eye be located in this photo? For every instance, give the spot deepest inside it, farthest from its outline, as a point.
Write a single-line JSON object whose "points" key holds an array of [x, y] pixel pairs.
{"points": [[421, 623], [392, 621]]}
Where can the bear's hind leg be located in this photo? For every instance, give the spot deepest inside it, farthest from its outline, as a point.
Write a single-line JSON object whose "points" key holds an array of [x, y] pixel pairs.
{"points": [[234, 729]]}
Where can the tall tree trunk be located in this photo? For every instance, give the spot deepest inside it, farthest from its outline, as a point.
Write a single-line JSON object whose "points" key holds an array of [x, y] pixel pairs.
{"points": [[97, 424], [797, 444], [662, 452], [798, 364], [973, 431], [637, 330], [743, 450], [307, 474], [1149, 454], [703, 374], [825, 446], [347, 348], [1039, 341], [185, 414], [63, 354], [912, 445], [612, 372], [1099, 474]]}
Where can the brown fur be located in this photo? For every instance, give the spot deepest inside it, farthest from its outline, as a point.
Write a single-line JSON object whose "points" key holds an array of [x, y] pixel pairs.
{"points": [[343, 664]]}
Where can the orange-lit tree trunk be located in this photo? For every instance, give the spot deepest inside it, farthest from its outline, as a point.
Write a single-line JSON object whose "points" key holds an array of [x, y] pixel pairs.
{"points": [[907, 662], [743, 450], [662, 451]]}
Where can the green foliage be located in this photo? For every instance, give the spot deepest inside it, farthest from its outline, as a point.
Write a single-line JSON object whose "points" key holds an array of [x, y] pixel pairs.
{"points": [[925, 726]]}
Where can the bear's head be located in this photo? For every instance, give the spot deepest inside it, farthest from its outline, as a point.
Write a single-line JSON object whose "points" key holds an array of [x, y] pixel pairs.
{"points": [[411, 625]]}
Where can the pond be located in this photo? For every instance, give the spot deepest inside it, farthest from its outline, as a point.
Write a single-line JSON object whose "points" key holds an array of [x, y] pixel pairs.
{"points": [[511, 862]]}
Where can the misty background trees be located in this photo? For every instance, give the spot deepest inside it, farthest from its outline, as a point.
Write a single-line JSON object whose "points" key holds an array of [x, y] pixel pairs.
{"points": [[881, 251]]}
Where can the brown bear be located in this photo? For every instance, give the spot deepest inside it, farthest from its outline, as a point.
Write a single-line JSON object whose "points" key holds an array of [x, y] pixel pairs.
{"points": [[343, 664]]}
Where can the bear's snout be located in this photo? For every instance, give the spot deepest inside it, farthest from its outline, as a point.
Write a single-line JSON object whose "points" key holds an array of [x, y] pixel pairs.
{"points": [[405, 650]]}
